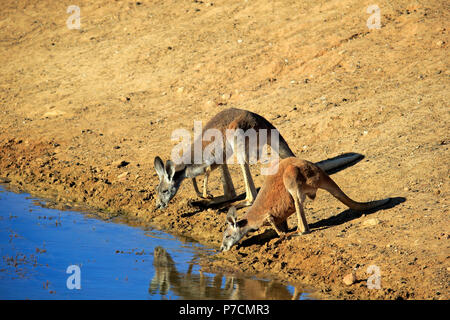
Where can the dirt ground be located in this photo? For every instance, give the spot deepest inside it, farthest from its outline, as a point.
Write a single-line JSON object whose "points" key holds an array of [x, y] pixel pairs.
{"points": [[84, 112]]}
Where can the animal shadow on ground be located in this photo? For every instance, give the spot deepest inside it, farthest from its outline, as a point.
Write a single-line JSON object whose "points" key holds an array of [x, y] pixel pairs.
{"points": [[341, 218], [200, 205]]}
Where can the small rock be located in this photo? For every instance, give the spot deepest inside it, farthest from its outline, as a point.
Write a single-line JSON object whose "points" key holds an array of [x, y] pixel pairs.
{"points": [[122, 175], [349, 279], [180, 90]]}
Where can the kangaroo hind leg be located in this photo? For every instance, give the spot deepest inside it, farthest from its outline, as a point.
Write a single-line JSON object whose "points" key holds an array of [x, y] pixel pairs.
{"points": [[250, 190], [293, 183], [227, 183]]}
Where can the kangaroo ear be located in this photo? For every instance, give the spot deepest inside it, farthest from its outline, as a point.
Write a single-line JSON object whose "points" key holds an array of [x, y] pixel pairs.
{"points": [[170, 169], [232, 217], [159, 167]]}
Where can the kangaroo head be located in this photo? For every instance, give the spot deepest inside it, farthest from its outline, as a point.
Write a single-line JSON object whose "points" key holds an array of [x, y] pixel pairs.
{"points": [[235, 230], [169, 181]]}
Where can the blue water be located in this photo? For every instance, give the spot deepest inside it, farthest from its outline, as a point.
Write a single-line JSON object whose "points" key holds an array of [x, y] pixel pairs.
{"points": [[115, 261]]}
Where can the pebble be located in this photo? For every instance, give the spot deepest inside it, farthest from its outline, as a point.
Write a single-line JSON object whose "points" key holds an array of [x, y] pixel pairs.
{"points": [[349, 279], [122, 175]]}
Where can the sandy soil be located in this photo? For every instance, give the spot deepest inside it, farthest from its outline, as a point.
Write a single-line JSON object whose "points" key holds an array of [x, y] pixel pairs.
{"points": [[75, 104]]}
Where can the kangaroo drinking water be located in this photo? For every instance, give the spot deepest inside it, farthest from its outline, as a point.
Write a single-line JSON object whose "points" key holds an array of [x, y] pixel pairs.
{"points": [[171, 175], [281, 195]]}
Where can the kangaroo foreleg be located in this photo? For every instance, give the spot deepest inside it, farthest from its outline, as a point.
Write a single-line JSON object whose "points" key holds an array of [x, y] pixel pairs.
{"points": [[204, 194], [271, 220]]}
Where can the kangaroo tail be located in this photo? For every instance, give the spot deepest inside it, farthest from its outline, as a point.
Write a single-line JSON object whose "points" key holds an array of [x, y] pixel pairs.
{"points": [[328, 184], [339, 161]]}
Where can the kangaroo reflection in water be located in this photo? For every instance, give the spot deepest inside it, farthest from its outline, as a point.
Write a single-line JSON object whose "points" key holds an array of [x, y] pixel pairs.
{"points": [[200, 286]]}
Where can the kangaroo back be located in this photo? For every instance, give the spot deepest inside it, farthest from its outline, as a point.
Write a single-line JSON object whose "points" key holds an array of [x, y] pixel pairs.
{"points": [[283, 148], [328, 184]]}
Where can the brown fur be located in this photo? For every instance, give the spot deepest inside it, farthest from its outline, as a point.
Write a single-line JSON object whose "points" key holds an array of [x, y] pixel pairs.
{"points": [[282, 194], [275, 200], [234, 118]]}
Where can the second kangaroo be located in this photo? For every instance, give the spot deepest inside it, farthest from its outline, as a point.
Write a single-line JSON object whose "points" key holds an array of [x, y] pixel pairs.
{"points": [[281, 195]]}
